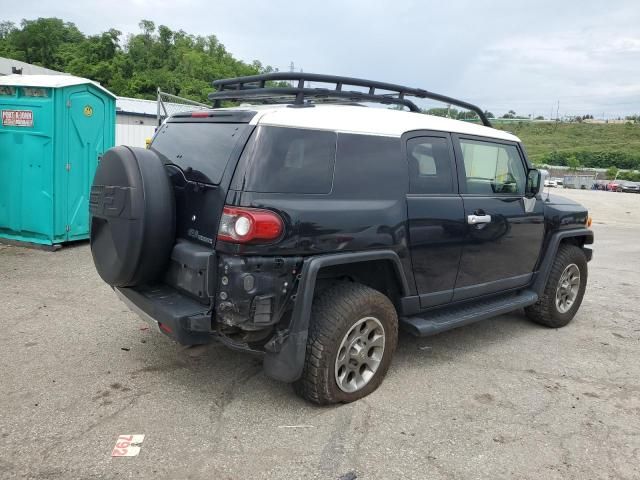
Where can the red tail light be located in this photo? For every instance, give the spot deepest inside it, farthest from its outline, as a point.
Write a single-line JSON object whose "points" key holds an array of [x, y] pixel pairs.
{"points": [[244, 225]]}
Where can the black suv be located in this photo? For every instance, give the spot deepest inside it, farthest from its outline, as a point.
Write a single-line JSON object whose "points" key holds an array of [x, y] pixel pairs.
{"points": [[309, 231]]}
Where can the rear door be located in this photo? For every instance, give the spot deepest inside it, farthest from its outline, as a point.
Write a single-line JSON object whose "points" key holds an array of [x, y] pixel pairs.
{"points": [[504, 231], [201, 152], [436, 215]]}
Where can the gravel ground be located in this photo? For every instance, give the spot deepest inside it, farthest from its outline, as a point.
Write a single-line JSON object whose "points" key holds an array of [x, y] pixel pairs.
{"points": [[504, 398]]}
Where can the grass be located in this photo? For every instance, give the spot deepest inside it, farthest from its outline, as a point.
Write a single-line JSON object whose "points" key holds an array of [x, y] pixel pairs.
{"points": [[543, 138]]}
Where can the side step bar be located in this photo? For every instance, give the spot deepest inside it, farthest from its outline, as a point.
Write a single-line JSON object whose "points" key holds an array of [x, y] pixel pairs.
{"points": [[447, 318]]}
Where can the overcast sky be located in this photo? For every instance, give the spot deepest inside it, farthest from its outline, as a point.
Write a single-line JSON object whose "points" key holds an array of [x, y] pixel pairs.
{"points": [[499, 54]]}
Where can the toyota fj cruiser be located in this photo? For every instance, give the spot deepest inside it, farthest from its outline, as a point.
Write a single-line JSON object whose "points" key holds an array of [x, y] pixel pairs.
{"points": [[308, 232]]}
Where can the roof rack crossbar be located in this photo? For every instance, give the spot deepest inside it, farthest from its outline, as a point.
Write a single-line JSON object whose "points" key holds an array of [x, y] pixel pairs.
{"points": [[254, 87]]}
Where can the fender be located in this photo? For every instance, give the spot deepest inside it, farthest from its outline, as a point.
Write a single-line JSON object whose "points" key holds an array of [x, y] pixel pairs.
{"points": [[286, 364], [544, 270]]}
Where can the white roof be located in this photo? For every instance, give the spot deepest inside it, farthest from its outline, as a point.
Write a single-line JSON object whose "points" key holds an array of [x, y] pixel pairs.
{"points": [[7, 65], [51, 81], [367, 120], [137, 106]]}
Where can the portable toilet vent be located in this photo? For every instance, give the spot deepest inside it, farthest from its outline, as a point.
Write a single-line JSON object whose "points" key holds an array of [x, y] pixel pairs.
{"points": [[54, 131]]}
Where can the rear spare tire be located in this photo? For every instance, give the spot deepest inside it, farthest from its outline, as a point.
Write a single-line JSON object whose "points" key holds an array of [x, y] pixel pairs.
{"points": [[132, 210]]}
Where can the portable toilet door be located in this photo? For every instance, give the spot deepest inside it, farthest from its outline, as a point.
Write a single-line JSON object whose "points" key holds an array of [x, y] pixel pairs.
{"points": [[26, 164], [87, 137]]}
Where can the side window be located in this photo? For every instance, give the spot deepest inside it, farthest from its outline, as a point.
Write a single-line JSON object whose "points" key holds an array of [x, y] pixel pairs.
{"points": [[492, 168], [429, 165], [287, 160]]}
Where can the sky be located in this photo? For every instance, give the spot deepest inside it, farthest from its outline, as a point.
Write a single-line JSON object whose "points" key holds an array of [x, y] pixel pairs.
{"points": [[574, 57]]}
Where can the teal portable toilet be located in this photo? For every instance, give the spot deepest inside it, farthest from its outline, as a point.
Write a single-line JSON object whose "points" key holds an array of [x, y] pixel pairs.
{"points": [[54, 130]]}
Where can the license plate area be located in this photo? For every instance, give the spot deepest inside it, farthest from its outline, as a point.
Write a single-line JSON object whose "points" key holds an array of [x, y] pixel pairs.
{"points": [[192, 270]]}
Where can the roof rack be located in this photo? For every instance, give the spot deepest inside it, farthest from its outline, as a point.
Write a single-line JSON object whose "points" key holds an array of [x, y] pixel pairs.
{"points": [[255, 87]]}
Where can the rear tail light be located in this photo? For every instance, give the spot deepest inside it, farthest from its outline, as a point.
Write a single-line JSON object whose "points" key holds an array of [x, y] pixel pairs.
{"points": [[244, 225]]}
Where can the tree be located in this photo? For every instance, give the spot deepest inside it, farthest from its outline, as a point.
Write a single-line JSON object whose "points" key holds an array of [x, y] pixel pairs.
{"points": [[6, 28], [611, 173], [573, 163], [509, 114], [135, 66], [443, 112]]}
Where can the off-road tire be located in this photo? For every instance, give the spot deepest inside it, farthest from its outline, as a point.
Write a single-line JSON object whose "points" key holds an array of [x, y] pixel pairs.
{"points": [[545, 311], [333, 314]]}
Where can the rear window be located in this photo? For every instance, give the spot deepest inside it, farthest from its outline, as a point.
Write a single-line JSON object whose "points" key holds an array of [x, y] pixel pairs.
{"points": [[287, 160], [202, 150]]}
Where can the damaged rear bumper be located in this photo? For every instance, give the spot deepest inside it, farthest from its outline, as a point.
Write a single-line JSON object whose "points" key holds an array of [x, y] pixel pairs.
{"points": [[167, 310]]}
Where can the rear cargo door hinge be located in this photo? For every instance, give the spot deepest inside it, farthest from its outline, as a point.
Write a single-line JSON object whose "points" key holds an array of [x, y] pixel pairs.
{"points": [[68, 228], [68, 103], [67, 167]]}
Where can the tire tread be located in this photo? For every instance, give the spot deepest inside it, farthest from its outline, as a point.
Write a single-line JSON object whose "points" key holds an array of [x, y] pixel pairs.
{"points": [[330, 312]]}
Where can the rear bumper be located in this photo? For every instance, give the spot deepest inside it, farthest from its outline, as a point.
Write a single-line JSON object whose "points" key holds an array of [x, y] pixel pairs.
{"points": [[174, 314]]}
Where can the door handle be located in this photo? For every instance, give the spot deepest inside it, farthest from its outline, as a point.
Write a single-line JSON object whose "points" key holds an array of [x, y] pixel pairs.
{"points": [[477, 219]]}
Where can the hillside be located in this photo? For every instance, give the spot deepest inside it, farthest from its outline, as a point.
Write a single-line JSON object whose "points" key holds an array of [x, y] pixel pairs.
{"points": [[592, 145]]}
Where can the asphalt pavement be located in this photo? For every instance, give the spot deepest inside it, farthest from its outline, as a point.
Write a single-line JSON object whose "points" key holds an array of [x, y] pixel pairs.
{"points": [[503, 398]]}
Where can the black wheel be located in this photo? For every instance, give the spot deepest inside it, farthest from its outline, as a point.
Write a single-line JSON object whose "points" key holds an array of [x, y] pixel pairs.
{"points": [[564, 290], [352, 337]]}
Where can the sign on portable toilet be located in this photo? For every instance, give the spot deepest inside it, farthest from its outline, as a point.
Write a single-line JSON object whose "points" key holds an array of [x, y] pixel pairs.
{"points": [[53, 133]]}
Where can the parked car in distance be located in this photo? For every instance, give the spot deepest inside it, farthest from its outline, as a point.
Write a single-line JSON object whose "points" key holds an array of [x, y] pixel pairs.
{"points": [[614, 186], [549, 182], [629, 187]]}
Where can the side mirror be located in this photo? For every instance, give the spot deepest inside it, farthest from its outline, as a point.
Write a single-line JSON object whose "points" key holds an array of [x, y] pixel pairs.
{"points": [[534, 183]]}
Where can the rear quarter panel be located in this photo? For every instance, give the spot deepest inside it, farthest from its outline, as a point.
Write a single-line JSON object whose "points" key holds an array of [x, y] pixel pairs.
{"points": [[365, 209]]}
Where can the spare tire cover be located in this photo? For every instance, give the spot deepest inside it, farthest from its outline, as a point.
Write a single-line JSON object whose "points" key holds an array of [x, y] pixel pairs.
{"points": [[132, 211]]}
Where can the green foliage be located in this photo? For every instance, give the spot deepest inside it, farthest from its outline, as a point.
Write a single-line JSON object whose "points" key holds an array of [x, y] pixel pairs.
{"points": [[573, 163], [592, 145], [612, 172], [454, 113], [632, 176], [175, 61]]}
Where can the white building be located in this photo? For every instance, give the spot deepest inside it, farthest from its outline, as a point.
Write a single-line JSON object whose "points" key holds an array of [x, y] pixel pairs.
{"points": [[136, 121]]}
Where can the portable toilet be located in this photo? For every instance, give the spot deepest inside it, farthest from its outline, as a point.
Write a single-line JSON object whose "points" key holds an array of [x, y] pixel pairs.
{"points": [[54, 131]]}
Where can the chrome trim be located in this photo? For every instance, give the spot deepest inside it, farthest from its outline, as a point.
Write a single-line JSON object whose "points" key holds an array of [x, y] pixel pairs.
{"points": [[476, 219], [135, 309]]}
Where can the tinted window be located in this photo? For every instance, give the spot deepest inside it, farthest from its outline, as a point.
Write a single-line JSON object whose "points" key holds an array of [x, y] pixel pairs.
{"points": [[429, 165], [201, 150], [492, 168], [287, 160], [369, 166]]}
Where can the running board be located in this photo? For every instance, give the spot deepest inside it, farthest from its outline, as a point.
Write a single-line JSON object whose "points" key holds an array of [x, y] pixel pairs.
{"points": [[447, 318]]}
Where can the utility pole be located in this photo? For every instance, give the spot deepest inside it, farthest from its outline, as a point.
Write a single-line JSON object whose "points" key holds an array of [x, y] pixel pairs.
{"points": [[291, 70]]}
